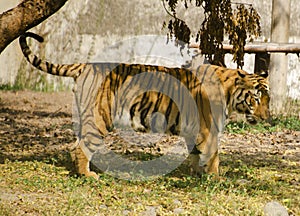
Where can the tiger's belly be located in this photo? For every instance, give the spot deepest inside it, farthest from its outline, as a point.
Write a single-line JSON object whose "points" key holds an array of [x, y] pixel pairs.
{"points": [[150, 135], [150, 112]]}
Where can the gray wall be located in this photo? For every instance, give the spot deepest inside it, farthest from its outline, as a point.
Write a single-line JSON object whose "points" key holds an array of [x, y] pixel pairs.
{"points": [[82, 29]]}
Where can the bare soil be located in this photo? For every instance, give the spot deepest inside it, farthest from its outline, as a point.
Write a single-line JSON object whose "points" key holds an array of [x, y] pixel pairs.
{"points": [[38, 126], [35, 125]]}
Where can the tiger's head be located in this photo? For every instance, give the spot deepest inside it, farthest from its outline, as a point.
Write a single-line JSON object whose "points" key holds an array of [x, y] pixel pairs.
{"points": [[251, 96]]}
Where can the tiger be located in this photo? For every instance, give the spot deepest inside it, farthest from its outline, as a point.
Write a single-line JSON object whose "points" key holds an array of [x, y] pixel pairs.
{"points": [[194, 103]]}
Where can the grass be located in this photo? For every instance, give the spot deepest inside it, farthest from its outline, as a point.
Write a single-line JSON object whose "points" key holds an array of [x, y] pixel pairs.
{"points": [[8, 87], [40, 188], [40, 84], [45, 187]]}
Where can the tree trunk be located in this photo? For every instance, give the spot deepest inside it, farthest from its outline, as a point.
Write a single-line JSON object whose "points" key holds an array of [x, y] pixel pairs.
{"points": [[279, 62], [26, 15]]}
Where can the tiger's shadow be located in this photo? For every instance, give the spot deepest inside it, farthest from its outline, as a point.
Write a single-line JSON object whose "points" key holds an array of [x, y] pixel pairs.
{"points": [[29, 136], [36, 136]]}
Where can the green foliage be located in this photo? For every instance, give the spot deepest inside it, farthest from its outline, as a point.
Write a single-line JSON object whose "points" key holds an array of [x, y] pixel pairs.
{"points": [[221, 18], [290, 123], [279, 123], [8, 87]]}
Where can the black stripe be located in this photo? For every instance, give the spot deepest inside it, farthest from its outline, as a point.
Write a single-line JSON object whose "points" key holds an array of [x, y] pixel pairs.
{"points": [[205, 71], [158, 102], [187, 79], [169, 110], [36, 61], [66, 70], [144, 114], [130, 72], [173, 130], [120, 75], [58, 69], [200, 104], [118, 81], [110, 76], [239, 95], [71, 68], [144, 101], [132, 110], [49, 67], [177, 121]]}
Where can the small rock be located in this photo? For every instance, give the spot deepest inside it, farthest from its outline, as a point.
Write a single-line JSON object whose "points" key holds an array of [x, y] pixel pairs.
{"points": [[126, 212], [147, 191], [150, 211], [178, 211], [275, 209], [103, 207], [243, 181], [177, 202]]}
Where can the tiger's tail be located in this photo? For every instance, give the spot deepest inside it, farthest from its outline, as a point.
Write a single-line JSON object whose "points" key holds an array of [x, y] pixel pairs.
{"points": [[71, 70]]}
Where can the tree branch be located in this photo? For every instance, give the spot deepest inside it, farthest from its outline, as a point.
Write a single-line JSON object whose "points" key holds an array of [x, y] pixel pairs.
{"points": [[240, 3], [169, 13], [23, 17]]}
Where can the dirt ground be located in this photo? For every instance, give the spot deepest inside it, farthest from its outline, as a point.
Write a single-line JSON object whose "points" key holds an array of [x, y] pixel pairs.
{"points": [[38, 126]]}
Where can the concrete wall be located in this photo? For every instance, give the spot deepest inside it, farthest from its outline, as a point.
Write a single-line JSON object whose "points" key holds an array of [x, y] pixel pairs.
{"points": [[81, 30]]}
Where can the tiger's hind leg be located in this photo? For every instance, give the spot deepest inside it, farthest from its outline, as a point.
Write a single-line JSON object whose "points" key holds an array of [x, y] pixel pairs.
{"points": [[193, 164], [82, 162]]}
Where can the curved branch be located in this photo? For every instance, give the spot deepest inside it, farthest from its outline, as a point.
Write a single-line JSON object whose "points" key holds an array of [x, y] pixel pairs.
{"points": [[169, 13], [26, 15]]}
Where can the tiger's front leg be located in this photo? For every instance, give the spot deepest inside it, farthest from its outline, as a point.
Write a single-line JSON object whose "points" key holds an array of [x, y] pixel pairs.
{"points": [[212, 166], [200, 163], [204, 157]]}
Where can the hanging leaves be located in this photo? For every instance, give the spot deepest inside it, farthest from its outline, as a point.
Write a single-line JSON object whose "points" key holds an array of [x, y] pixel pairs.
{"points": [[220, 19], [212, 29], [244, 23], [177, 28]]}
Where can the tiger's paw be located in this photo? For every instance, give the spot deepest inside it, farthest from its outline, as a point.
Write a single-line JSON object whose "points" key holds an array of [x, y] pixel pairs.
{"points": [[91, 174]]}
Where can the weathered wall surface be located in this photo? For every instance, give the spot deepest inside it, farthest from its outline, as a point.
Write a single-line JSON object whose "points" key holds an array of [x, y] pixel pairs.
{"points": [[81, 29]]}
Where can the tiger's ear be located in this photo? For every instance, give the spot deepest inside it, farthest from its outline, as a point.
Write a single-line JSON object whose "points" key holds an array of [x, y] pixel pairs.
{"points": [[241, 74], [264, 74]]}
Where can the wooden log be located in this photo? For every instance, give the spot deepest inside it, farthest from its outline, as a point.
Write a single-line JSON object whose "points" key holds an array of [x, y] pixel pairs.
{"points": [[263, 47]]}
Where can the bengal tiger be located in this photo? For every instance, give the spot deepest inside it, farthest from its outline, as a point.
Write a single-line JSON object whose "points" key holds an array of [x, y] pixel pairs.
{"points": [[194, 103]]}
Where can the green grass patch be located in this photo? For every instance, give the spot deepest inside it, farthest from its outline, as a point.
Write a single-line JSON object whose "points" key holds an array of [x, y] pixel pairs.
{"points": [[9, 87], [279, 123], [39, 188]]}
